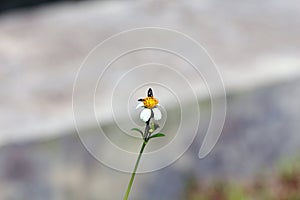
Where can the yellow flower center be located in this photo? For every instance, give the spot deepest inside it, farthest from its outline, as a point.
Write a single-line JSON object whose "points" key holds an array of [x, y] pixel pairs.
{"points": [[150, 102]]}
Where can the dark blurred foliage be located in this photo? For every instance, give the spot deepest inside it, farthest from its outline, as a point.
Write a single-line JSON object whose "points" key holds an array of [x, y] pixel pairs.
{"points": [[8, 5], [283, 184]]}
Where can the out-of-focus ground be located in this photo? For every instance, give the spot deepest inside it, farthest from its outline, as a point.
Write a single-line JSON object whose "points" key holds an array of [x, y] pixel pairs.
{"points": [[282, 183], [255, 44]]}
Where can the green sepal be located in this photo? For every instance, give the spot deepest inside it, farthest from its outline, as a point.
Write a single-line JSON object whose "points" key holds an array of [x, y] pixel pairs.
{"points": [[154, 126], [157, 135]]}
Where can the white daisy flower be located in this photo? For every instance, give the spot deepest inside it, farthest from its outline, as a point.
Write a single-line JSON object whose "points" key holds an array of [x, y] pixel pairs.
{"points": [[150, 108]]}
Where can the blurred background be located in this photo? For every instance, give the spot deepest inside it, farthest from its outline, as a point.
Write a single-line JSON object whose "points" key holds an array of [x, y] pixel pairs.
{"points": [[256, 46]]}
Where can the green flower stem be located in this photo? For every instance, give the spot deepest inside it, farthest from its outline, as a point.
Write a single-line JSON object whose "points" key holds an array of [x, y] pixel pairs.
{"points": [[134, 170]]}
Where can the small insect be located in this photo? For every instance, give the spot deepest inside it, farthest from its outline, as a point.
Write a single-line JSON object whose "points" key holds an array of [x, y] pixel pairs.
{"points": [[150, 101]]}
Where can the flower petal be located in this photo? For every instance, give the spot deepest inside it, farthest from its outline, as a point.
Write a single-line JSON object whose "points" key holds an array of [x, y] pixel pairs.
{"points": [[157, 114], [145, 114], [141, 104]]}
